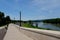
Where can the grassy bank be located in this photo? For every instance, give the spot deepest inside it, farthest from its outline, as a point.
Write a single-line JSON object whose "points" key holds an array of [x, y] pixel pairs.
{"points": [[29, 26]]}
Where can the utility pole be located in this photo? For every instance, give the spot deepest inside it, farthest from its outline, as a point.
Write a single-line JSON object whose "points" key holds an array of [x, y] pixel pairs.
{"points": [[20, 18], [14, 20]]}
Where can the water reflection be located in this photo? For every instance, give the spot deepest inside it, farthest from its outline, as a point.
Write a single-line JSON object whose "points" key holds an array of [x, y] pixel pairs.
{"points": [[46, 25]]}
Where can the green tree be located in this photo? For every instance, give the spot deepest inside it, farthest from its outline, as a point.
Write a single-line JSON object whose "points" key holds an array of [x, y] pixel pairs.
{"points": [[1, 18], [4, 20], [7, 19], [1, 14]]}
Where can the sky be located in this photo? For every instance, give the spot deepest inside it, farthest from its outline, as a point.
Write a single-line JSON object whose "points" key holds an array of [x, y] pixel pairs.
{"points": [[31, 9]]}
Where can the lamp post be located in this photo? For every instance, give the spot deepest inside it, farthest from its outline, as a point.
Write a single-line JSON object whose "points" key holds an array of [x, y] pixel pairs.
{"points": [[14, 20], [20, 18]]}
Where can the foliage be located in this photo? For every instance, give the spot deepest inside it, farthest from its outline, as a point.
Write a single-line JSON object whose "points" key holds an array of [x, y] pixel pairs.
{"points": [[1, 14], [28, 25], [4, 20], [53, 21]]}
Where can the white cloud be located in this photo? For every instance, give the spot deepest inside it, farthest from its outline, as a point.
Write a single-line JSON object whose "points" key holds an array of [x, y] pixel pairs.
{"points": [[40, 17], [46, 4], [34, 18], [16, 0]]}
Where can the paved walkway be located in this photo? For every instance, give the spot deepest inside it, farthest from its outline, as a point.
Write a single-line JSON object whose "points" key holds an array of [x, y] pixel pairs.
{"points": [[39, 34], [14, 34]]}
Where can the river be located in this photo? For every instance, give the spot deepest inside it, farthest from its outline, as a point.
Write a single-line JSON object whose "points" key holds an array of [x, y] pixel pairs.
{"points": [[47, 25]]}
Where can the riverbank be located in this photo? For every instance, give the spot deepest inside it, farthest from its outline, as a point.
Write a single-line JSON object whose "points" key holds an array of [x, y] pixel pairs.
{"points": [[31, 26]]}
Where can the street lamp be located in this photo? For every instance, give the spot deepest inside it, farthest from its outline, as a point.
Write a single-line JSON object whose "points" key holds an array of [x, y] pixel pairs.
{"points": [[20, 18], [14, 20]]}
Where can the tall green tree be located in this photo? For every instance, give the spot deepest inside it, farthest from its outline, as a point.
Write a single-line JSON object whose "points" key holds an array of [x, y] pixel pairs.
{"points": [[1, 14], [1, 18], [4, 20], [7, 19]]}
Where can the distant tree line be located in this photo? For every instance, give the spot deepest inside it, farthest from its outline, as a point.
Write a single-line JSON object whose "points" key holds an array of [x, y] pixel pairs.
{"points": [[53, 21], [14, 21], [4, 20]]}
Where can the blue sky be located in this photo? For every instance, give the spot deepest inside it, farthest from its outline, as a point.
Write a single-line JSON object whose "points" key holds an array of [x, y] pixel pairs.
{"points": [[31, 9]]}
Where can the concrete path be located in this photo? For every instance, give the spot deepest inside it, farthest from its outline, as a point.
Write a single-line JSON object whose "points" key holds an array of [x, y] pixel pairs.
{"points": [[38, 34], [14, 34], [46, 32]]}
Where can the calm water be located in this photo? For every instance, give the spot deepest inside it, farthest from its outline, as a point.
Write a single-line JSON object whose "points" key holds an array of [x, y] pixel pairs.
{"points": [[46, 25]]}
